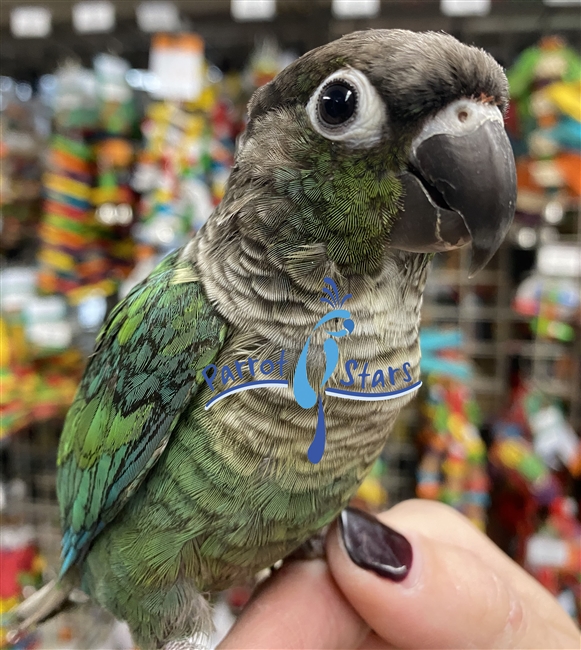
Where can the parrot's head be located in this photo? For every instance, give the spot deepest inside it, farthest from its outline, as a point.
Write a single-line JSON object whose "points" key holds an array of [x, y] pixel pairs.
{"points": [[385, 139]]}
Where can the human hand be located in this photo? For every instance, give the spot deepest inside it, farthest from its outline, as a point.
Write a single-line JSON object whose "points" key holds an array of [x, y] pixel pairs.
{"points": [[453, 588]]}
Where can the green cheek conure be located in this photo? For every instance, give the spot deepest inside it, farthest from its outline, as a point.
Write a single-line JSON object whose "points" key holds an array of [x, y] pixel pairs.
{"points": [[360, 160]]}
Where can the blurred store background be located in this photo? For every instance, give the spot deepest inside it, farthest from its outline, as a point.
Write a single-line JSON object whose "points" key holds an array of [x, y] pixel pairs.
{"points": [[118, 126]]}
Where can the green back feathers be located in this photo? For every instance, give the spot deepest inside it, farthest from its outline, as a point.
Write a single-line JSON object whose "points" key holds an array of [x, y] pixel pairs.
{"points": [[144, 372]]}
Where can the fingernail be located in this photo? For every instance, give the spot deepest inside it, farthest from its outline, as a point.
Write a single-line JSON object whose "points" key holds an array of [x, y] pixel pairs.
{"points": [[374, 546]]}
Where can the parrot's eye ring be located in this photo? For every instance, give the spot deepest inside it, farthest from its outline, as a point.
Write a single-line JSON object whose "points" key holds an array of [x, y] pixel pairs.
{"points": [[337, 103], [347, 108]]}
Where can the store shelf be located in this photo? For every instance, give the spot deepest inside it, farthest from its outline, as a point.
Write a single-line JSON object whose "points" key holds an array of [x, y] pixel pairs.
{"points": [[527, 349], [538, 349], [556, 388], [486, 385], [460, 277], [470, 313]]}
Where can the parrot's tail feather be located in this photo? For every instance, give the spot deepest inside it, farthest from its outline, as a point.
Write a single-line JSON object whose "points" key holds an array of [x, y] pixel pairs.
{"points": [[42, 604], [187, 625]]}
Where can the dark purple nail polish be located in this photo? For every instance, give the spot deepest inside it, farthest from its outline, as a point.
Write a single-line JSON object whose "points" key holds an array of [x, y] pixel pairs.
{"points": [[374, 546]]}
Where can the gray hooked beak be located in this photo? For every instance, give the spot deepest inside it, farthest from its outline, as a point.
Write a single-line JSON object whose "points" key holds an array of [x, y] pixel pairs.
{"points": [[460, 185]]}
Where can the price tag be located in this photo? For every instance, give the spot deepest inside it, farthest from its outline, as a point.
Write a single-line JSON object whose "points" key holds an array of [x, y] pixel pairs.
{"points": [[253, 9], [465, 7], [543, 551], [94, 16], [30, 22], [355, 8], [560, 260], [546, 173], [17, 286], [157, 16], [50, 335], [46, 323], [178, 65], [554, 438]]}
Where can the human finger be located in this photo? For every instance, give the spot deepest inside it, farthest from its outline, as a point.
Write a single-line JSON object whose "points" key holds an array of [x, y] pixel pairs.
{"points": [[425, 590], [300, 607]]}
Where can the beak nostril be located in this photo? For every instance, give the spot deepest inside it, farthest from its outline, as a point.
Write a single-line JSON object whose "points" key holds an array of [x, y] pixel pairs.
{"points": [[463, 116]]}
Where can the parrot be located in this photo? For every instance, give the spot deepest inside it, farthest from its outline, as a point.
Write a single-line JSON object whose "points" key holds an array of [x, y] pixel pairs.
{"points": [[359, 162]]}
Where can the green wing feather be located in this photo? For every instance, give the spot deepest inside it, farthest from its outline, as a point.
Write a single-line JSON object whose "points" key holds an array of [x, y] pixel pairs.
{"points": [[145, 370]]}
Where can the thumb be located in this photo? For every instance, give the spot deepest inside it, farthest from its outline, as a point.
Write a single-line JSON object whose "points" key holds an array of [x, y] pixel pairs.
{"points": [[443, 585]]}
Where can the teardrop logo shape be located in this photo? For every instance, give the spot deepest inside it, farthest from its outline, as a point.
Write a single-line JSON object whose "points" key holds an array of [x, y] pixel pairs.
{"points": [[307, 396]]}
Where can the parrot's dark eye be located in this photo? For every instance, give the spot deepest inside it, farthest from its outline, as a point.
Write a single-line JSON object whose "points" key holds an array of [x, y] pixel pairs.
{"points": [[345, 107], [337, 103]]}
